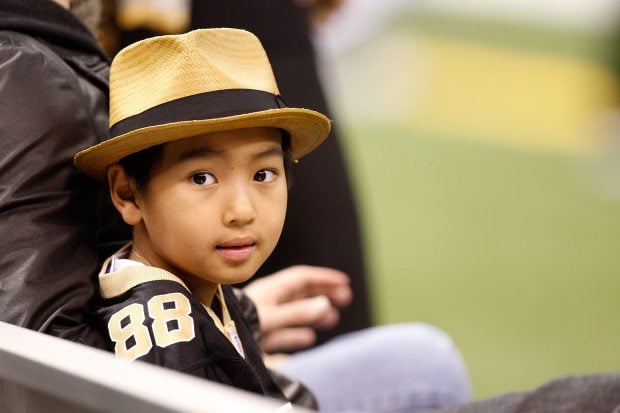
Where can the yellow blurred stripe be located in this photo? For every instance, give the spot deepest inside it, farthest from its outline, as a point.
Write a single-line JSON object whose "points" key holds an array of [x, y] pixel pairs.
{"points": [[515, 97]]}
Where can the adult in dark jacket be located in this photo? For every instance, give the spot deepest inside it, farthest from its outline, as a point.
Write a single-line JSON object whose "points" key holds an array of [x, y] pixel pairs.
{"points": [[53, 94]]}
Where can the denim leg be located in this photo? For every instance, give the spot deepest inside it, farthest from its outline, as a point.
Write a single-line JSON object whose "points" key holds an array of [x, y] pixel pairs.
{"points": [[410, 367]]}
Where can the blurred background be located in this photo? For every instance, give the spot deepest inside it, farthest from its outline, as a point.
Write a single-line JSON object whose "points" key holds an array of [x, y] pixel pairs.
{"points": [[484, 143]]}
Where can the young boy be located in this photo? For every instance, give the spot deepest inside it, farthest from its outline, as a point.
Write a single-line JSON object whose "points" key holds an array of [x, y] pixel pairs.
{"points": [[196, 163]]}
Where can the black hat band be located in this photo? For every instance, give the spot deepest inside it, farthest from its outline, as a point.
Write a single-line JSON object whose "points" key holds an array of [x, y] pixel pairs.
{"points": [[203, 106]]}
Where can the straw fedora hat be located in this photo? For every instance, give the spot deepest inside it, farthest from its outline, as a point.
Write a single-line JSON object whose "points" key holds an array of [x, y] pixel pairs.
{"points": [[172, 87]]}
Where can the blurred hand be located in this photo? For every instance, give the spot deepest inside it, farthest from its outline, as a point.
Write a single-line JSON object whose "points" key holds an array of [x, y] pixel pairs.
{"points": [[293, 302]]}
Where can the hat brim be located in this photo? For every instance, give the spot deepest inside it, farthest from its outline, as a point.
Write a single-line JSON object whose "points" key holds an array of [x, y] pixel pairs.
{"points": [[307, 128]]}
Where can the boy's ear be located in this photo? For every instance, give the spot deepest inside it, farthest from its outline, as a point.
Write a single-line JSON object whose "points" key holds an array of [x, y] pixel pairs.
{"points": [[123, 192]]}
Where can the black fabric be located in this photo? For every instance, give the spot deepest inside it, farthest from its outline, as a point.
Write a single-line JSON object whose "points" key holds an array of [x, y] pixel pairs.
{"points": [[209, 105], [53, 89], [290, 390], [293, 390]]}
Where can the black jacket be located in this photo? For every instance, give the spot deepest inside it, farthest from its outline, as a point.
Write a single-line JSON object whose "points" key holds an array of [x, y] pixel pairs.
{"points": [[53, 103]]}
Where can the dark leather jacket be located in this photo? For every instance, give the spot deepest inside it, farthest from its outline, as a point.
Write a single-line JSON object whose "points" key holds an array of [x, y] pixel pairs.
{"points": [[53, 103]]}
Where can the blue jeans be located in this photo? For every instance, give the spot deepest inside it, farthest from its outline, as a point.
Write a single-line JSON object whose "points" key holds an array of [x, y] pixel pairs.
{"points": [[397, 368]]}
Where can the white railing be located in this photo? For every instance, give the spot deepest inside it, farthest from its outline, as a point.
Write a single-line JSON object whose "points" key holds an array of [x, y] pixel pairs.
{"points": [[40, 373]]}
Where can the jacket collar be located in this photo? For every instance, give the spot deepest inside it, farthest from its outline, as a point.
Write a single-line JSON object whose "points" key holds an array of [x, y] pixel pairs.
{"points": [[50, 22]]}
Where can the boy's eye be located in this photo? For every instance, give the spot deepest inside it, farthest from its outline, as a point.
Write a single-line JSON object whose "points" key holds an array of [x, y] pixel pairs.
{"points": [[265, 175], [203, 178]]}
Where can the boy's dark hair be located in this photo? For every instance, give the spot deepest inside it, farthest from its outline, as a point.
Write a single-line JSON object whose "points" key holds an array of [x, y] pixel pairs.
{"points": [[138, 166]]}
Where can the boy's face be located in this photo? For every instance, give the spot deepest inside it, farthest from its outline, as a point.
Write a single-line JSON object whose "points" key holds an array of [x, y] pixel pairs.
{"points": [[214, 207]]}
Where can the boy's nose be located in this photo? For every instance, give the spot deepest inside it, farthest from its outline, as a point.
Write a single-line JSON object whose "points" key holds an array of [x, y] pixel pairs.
{"points": [[239, 209]]}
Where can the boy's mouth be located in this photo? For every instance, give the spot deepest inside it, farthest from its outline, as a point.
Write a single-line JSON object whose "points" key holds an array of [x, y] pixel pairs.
{"points": [[238, 249]]}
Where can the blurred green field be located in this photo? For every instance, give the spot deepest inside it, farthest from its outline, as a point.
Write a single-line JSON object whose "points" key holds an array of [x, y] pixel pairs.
{"points": [[509, 251]]}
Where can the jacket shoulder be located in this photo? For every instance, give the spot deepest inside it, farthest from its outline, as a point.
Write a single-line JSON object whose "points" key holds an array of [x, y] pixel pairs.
{"points": [[19, 51], [21, 45], [41, 87]]}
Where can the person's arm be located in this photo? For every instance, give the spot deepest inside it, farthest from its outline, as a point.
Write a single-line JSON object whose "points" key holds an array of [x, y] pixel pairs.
{"points": [[48, 211]]}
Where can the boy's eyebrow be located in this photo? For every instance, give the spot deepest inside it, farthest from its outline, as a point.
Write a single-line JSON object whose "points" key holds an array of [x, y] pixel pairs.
{"points": [[200, 152], [274, 151]]}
